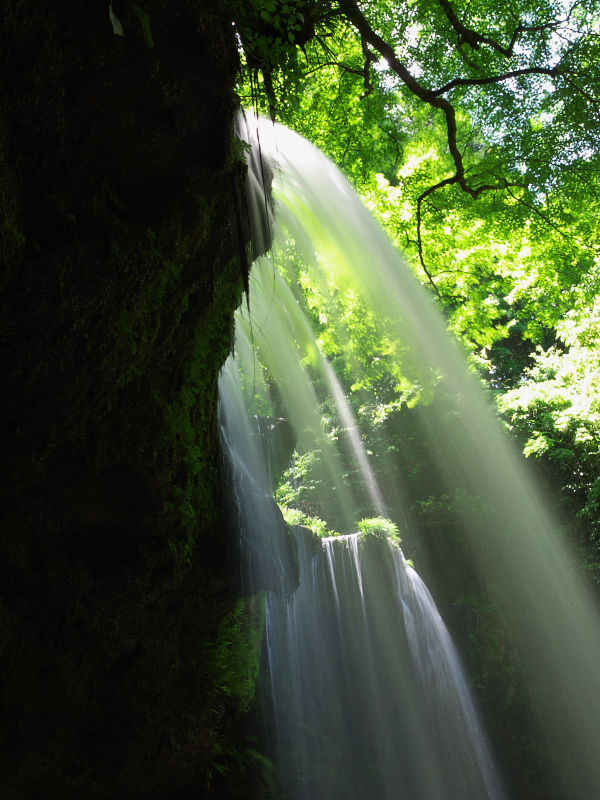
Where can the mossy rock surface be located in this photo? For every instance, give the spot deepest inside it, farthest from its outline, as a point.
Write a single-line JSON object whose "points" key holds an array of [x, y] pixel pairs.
{"points": [[120, 274]]}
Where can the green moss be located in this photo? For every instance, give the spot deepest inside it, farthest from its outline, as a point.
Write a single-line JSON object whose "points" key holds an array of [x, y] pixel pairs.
{"points": [[234, 653], [161, 359], [120, 276]]}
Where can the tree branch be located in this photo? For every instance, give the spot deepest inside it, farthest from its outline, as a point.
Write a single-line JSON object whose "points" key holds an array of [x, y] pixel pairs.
{"points": [[472, 64], [589, 97], [475, 39], [471, 37], [433, 98], [357, 19], [370, 58], [368, 35], [420, 200], [551, 71], [540, 215]]}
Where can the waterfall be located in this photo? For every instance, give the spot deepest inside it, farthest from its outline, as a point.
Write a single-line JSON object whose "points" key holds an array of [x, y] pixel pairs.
{"points": [[368, 693], [369, 696]]}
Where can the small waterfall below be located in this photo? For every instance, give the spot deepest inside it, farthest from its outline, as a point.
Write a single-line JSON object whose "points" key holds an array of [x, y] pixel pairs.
{"points": [[369, 697]]}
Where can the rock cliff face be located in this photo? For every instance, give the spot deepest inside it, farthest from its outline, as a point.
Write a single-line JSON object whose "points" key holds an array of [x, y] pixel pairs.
{"points": [[120, 273]]}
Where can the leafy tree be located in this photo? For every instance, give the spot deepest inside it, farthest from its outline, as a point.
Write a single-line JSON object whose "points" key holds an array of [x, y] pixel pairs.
{"points": [[471, 130], [555, 411]]}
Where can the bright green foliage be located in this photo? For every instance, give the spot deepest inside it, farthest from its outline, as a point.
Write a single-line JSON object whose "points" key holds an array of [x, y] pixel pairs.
{"points": [[495, 262], [234, 654], [555, 411], [293, 516], [502, 265], [380, 528], [508, 260], [300, 493], [295, 485]]}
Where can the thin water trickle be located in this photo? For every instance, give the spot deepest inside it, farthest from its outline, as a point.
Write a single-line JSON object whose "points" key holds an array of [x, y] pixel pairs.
{"points": [[360, 668]]}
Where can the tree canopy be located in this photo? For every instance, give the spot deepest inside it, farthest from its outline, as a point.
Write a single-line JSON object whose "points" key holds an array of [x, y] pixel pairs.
{"points": [[432, 106], [471, 130]]}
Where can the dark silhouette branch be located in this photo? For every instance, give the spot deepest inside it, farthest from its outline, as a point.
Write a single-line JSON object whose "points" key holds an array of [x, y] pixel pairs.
{"points": [[472, 64], [420, 200], [370, 58], [370, 37], [364, 73], [551, 71], [475, 39], [472, 37], [589, 97], [540, 215]]}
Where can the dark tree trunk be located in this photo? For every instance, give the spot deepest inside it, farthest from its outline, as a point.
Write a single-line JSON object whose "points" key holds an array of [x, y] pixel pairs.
{"points": [[118, 185]]}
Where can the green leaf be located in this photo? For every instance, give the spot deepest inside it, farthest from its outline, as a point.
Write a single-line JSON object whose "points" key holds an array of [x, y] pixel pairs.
{"points": [[145, 23], [116, 25]]}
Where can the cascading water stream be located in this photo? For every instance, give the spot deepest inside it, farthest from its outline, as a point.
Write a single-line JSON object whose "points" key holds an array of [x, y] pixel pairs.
{"points": [[369, 697], [361, 663]]}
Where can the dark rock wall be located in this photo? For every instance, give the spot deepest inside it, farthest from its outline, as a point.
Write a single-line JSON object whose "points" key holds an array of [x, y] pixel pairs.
{"points": [[118, 185]]}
